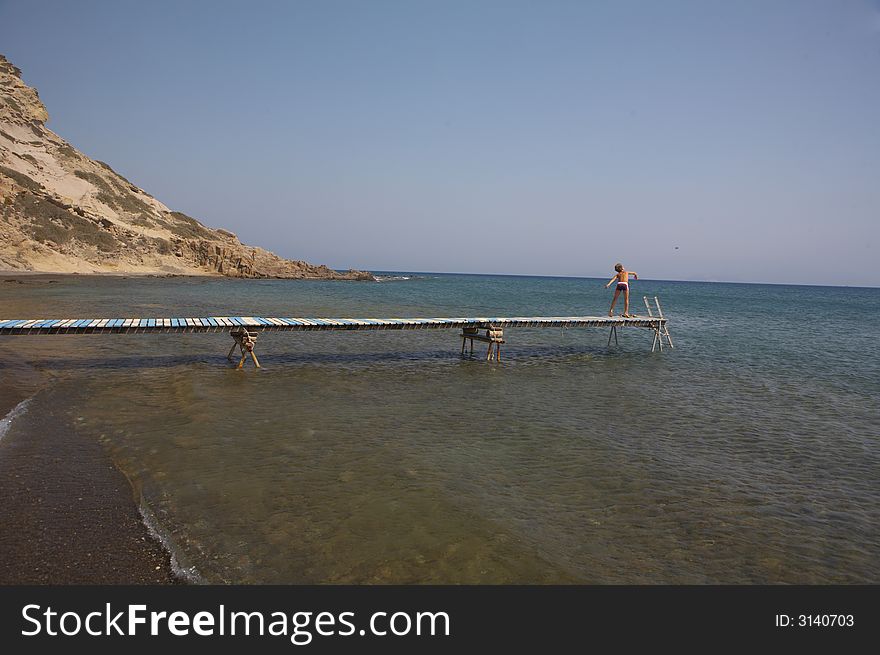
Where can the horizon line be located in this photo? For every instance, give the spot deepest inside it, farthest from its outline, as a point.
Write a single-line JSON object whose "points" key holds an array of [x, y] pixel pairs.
{"points": [[593, 277], [10, 273]]}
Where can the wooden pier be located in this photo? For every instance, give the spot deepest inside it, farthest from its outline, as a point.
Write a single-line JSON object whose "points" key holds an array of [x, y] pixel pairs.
{"points": [[245, 329]]}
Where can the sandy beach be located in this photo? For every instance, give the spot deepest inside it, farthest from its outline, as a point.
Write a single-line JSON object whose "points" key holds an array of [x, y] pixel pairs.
{"points": [[68, 516]]}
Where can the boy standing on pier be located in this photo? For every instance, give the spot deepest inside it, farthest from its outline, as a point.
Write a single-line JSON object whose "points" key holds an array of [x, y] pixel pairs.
{"points": [[622, 277]]}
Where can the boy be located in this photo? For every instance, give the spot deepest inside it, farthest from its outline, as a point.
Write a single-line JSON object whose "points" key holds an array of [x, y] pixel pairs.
{"points": [[622, 277]]}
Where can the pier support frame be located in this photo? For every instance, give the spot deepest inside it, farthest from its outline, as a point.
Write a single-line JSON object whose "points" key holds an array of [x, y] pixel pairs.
{"points": [[245, 340], [494, 337]]}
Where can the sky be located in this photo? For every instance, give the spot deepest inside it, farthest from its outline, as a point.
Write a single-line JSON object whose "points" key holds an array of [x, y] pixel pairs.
{"points": [[703, 140]]}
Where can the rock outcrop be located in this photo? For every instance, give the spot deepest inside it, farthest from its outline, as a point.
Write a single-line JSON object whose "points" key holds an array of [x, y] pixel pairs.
{"points": [[61, 211]]}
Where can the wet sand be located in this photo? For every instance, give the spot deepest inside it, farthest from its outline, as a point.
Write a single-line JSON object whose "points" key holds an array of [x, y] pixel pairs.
{"points": [[68, 515]]}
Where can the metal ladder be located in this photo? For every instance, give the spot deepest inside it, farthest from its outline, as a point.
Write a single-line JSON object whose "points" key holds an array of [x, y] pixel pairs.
{"points": [[662, 329]]}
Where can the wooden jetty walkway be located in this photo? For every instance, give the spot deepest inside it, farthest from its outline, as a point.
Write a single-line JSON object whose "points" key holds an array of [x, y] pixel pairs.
{"points": [[244, 329]]}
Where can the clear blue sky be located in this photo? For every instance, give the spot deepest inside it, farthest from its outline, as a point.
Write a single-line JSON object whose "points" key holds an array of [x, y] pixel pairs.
{"points": [[542, 137]]}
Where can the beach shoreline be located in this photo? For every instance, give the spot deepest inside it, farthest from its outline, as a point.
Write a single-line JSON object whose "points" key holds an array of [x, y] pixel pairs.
{"points": [[69, 515]]}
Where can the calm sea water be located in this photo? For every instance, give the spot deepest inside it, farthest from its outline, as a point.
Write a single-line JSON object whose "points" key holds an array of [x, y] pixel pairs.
{"points": [[750, 453]]}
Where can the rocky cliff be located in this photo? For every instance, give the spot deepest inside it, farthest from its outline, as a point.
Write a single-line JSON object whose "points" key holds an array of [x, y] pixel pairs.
{"points": [[61, 211]]}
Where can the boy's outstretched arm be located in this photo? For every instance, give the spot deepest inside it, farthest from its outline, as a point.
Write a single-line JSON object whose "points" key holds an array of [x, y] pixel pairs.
{"points": [[634, 274], [610, 281]]}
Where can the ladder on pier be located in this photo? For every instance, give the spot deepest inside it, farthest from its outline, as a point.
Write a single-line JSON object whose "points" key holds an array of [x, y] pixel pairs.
{"points": [[662, 328]]}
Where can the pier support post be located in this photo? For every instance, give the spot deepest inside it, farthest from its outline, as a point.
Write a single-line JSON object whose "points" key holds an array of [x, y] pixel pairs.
{"points": [[496, 338], [613, 333], [245, 341], [468, 333]]}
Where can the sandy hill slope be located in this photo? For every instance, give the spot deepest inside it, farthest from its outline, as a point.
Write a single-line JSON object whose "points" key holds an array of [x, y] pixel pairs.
{"points": [[61, 211]]}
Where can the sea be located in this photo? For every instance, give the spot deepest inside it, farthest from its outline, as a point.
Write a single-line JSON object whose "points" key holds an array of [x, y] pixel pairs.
{"points": [[749, 453]]}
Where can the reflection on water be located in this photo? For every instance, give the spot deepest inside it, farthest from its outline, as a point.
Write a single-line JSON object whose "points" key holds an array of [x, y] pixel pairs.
{"points": [[748, 454]]}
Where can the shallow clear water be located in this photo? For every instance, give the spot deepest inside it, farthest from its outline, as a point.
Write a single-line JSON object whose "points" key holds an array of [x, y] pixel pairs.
{"points": [[748, 454]]}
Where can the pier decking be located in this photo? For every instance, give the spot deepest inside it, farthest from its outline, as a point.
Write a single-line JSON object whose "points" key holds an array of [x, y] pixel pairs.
{"points": [[244, 329], [264, 324]]}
